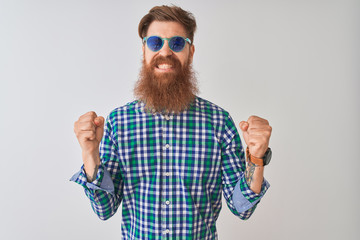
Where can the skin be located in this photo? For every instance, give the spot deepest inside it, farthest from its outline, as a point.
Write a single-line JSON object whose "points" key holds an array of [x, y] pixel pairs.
{"points": [[89, 128], [256, 133]]}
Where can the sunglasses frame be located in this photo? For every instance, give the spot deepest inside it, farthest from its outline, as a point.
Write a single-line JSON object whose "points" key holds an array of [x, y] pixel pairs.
{"points": [[168, 39]]}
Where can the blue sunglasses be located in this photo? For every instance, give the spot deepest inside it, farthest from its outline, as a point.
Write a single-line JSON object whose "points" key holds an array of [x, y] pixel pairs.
{"points": [[176, 43]]}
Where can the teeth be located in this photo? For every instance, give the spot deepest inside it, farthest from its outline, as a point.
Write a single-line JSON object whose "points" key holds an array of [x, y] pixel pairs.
{"points": [[164, 66]]}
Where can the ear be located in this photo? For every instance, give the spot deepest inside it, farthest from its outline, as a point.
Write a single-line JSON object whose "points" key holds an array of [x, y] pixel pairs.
{"points": [[192, 51]]}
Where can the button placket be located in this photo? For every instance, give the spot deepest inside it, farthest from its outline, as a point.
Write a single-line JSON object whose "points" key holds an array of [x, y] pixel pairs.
{"points": [[166, 194]]}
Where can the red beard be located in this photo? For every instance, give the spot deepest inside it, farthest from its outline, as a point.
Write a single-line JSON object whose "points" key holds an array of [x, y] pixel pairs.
{"points": [[166, 92]]}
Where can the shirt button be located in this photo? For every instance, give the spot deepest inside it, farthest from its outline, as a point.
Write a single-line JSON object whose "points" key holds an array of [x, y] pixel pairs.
{"points": [[167, 174], [167, 117], [167, 146], [167, 202], [167, 231]]}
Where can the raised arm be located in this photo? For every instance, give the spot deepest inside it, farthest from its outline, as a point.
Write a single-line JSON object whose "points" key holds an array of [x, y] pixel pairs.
{"points": [[89, 130], [256, 133], [101, 174]]}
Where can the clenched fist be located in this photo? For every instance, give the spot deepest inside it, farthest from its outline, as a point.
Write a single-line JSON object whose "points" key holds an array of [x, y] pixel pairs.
{"points": [[89, 130], [256, 132]]}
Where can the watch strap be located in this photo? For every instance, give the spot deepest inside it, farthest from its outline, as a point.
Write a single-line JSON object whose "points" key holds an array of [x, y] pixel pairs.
{"points": [[255, 160]]}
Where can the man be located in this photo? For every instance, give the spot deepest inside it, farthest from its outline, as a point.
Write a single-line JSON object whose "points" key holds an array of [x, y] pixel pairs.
{"points": [[168, 155]]}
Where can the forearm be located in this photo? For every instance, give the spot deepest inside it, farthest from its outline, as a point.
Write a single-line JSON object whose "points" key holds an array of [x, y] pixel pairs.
{"points": [[254, 176], [91, 164]]}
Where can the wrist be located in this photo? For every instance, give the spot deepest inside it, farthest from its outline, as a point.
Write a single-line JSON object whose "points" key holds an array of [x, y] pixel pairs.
{"points": [[263, 161], [91, 154], [91, 165], [91, 172], [255, 165], [91, 159], [257, 152]]}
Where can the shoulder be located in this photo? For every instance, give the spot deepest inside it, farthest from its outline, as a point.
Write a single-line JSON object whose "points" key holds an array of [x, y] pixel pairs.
{"points": [[125, 111], [209, 108], [216, 114], [217, 117]]}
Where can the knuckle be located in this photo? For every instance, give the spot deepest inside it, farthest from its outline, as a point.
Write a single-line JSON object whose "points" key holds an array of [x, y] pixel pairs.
{"points": [[77, 134], [92, 114], [251, 118], [267, 134], [76, 128]]}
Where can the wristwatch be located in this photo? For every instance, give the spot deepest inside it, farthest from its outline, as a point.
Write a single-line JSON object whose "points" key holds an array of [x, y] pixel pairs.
{"points": [[265, 160]]}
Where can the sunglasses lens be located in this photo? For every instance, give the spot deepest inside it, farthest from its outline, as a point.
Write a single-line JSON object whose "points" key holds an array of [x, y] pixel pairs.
{"points": [[177, 44], [154, 43]]}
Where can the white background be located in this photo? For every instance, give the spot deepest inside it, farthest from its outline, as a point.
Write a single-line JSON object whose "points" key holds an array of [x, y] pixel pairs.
{"points": [[295, 63]]}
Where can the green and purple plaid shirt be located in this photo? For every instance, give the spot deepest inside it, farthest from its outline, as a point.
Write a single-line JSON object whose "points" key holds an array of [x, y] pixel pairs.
{"points": [[169, 171]]}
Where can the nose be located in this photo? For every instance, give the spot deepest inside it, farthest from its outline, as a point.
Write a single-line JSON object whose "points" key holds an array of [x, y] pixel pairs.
{"points": [[165, 50]]}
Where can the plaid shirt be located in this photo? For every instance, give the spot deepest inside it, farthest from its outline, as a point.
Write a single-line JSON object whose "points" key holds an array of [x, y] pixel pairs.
{"points": [[169, 171]]}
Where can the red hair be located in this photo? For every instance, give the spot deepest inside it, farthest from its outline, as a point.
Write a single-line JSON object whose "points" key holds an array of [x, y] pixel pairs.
{"points": [[171, 14]]}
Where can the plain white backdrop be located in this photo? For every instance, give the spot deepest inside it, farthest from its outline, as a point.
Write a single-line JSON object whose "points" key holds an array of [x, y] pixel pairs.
{"points": [[295, 63]]}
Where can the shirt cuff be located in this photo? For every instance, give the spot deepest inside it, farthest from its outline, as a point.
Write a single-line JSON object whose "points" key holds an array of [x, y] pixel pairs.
{"points": [[244, 198], [103, 180]]}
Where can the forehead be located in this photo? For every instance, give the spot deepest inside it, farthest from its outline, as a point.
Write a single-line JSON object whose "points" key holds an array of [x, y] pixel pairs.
{"points": [[166, 29]]}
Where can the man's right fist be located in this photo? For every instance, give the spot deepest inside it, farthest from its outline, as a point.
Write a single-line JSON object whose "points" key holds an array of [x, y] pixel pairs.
{"points": [[89, 130]]}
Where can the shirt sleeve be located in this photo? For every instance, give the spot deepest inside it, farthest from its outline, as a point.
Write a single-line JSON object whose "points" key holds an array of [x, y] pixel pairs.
{"points": [[241, 200], [106, 191]]}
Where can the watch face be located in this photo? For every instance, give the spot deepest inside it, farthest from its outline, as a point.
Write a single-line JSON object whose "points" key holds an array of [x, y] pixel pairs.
{"points": [[267, 156]]}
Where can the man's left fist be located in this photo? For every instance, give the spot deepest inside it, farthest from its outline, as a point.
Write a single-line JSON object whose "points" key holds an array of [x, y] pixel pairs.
{"points": [[256, 132]]}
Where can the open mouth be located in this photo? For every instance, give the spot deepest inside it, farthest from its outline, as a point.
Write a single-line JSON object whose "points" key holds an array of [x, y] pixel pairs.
{"points": [[164, 67]]}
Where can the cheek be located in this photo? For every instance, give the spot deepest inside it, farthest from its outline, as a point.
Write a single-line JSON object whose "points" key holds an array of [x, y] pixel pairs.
{"points": [[184, 59], [148, 56]]}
